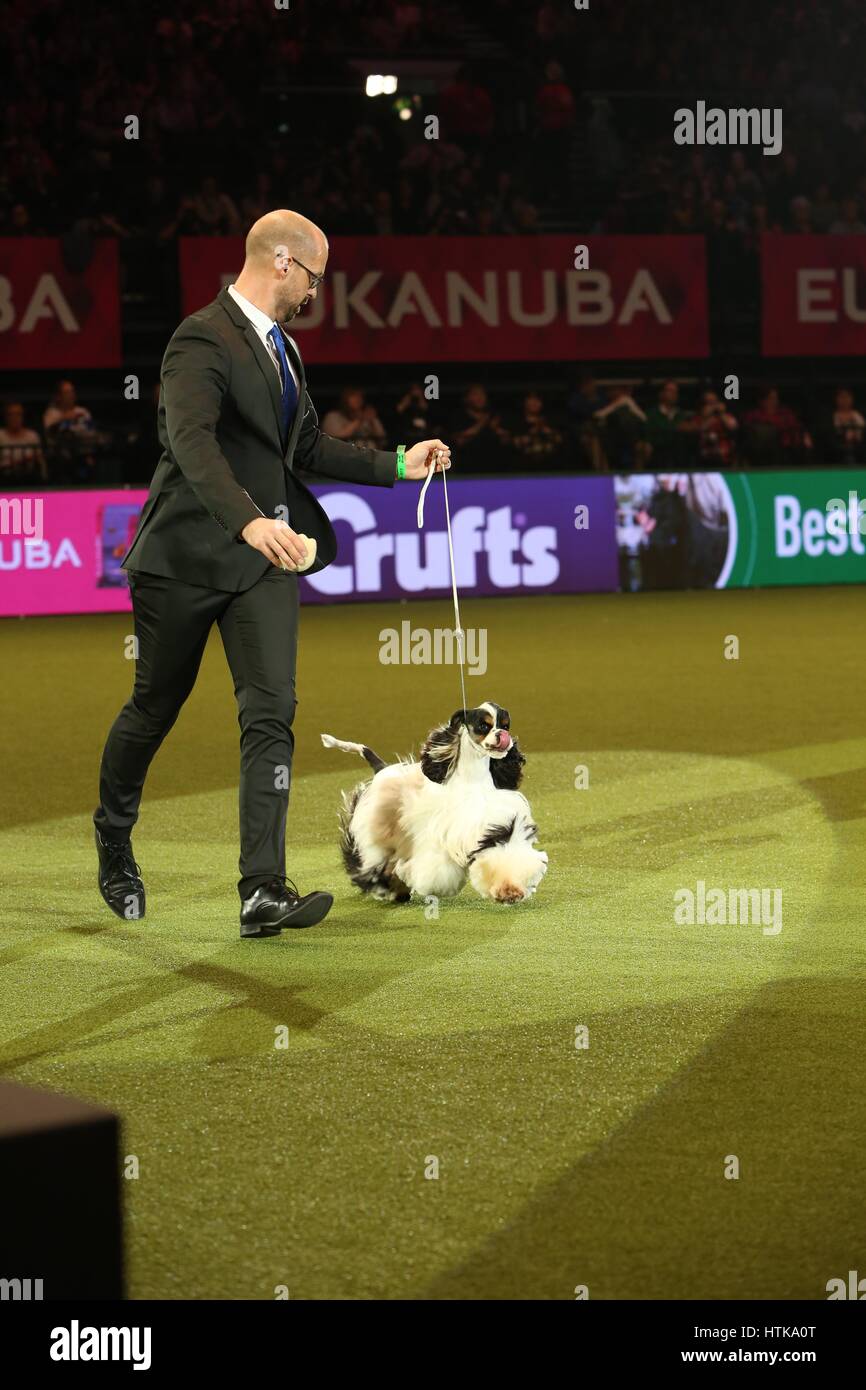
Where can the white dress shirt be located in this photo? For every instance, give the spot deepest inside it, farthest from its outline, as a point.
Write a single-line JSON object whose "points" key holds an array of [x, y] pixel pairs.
{"points": [[263, 325]]}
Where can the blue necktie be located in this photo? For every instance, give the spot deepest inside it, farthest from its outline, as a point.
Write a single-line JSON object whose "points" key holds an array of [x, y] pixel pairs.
{"points": [[290, 390]]}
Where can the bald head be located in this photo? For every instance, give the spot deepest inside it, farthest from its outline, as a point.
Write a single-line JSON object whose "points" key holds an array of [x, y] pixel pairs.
{"points": [[286, 255], [282, 228]]}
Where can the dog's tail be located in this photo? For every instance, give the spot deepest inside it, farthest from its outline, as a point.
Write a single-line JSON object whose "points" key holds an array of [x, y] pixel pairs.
{"points": [[361, 749]]}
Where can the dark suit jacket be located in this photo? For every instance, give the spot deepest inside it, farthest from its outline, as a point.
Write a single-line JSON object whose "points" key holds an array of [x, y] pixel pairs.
{"points": [[224, 462]]}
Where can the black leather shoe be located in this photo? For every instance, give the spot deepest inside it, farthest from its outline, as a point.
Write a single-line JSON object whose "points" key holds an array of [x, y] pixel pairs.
{"points": [[120, 878], [277, 904]]}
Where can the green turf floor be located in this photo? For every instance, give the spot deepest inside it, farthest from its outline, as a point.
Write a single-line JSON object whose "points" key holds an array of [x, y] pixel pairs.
{"points": [[408, 1040]]}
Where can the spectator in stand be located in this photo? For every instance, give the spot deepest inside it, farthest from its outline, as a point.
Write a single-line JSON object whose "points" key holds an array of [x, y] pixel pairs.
{"points": [[259, 199], [761, 220], [623, 430], [64, 412], [736, 205], [825, 210], [408, 23], [382, 222], [585, 399], [667, 428], [21, 455], [522, 217], [554, 103], [785, 181], [486, 219], [604, 145], [143, 443], [801, 216], [406, 208], [551, 25], [452, 213], [686, 212], [534, 439], [849, 430], [555, 117], [70, 437], [849, 223], [717, 430], [478, 433], [413, 416], [209, 212], [853, 115], [775, 435], [153, 212], [355, 421], [747, 182], [716, 222], [174, 108], [583, 403], [20, 222], [467, 110]]}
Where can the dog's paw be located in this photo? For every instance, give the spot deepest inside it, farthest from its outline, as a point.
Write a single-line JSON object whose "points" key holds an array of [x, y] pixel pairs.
{"points": [[508, 893]]}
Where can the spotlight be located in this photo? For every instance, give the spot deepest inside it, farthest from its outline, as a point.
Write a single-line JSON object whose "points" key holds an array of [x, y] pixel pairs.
{"points": [[406, 106], [378, 85]]}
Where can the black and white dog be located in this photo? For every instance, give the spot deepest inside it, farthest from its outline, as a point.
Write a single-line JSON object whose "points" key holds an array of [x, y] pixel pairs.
{"points": [[426, 826]]}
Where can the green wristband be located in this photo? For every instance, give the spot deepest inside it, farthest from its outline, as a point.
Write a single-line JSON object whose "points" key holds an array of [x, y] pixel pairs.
{"points": [[401, 460]]}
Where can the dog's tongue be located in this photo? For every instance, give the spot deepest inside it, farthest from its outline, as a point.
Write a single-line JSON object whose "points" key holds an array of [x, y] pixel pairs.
{"points": [[503, 738]]}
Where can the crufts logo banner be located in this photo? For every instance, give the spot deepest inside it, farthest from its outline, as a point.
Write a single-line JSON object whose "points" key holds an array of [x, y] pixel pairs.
{"points": [[487, 299]]}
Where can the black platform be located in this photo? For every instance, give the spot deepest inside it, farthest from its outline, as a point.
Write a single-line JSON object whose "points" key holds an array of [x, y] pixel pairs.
{"points": [[60, 1207]]}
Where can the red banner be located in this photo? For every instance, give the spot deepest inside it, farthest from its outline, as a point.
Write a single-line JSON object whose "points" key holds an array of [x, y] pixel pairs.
{"points": [[54, 317], [466, 299], [814, 295]]}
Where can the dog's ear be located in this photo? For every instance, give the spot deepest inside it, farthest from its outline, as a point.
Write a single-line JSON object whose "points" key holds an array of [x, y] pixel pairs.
{"points": [[507, 772], [457, 718], [439, 753]]}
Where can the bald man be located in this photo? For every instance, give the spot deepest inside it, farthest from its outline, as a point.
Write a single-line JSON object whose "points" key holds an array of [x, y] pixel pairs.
{"points": [[219, 541]]}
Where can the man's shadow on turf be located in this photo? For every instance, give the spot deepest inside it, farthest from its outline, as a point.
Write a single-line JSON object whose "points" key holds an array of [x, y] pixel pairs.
{"points": [[283, 1004]]}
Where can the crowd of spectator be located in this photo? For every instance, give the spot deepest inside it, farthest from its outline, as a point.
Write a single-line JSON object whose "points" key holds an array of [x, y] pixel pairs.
{"points": [[222, 96], [68, 449], [616, 427], [548, 117], [712, 433], [559, 114]]}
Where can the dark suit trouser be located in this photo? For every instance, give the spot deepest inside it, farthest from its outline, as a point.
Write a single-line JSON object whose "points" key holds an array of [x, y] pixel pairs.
{"points": [[259, 630]]}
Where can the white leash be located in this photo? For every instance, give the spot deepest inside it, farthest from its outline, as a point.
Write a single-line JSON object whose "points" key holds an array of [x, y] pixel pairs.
{"points": [[458, 630]]}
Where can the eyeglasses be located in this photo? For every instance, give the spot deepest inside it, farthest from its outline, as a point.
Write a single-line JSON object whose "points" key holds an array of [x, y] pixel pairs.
{"points": [[315, 280]]}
